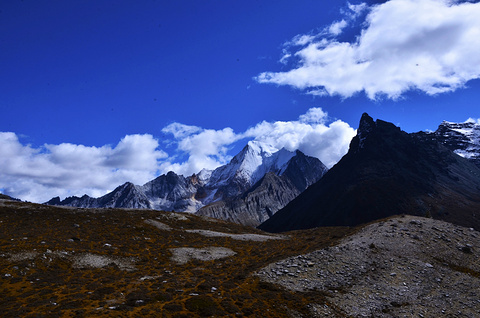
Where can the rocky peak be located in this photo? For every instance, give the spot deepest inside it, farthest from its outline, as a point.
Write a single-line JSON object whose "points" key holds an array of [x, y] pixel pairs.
{"points": [[386, 171], [372, 134], [365, 128], [366, 125], [250, 165], [461, 138]]}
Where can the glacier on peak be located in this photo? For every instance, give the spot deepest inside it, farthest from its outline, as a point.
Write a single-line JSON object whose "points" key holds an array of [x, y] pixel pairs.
{"points": [[461, 138], [251, 164]]}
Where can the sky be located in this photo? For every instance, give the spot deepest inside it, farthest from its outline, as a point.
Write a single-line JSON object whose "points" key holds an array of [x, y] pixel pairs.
{"points": [[96, 93]]}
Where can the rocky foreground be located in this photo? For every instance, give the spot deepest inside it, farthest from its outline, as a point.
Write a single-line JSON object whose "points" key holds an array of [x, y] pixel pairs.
{"points": [[402, 267]]}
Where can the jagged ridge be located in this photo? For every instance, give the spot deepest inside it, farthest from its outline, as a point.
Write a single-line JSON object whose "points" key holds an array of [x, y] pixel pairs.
{"points": [[235, 184], [385, 172]]}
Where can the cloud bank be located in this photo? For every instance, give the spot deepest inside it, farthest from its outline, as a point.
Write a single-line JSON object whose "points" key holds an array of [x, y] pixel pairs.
{"points": [[207, 148], [430, 46], [38, 174]]}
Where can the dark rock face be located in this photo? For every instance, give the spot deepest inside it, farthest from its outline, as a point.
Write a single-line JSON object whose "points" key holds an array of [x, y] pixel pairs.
{"points": [[126, 195], [304, 171], [386, 172], [172, 192]]}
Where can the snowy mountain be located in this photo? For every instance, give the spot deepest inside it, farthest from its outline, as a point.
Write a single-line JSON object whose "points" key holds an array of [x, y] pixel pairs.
{"points": [[461, 138], [287, 175], [246, 169], [292, 172], [251, 164]]}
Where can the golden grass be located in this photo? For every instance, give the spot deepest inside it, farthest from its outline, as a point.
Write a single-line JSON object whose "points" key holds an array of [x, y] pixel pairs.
{"points": [[44, 283]]}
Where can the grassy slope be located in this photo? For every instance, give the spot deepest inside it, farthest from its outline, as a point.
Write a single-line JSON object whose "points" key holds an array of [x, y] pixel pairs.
{"points": [[49, 286]]}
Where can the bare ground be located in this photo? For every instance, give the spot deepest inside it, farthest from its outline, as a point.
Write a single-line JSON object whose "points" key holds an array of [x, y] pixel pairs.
{"points": [[403, 267]]}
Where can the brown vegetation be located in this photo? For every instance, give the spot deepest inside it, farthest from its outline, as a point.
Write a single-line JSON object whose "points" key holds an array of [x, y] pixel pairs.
{"points": [[58, 262]]}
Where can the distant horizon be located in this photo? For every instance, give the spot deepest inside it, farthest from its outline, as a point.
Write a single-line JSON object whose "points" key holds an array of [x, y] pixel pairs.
{"points": [[95, 94]]}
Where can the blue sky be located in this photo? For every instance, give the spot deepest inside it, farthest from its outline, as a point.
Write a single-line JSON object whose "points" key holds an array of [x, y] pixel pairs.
{"points": [[97, 93]]}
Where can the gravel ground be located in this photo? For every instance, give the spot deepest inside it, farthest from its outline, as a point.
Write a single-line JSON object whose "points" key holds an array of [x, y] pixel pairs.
{"points": [[403, 267], [98, 261], [240, 237], [159, 225], [182, 255]]}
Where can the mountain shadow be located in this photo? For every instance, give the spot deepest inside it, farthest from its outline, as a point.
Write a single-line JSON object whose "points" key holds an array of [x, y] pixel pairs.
{"points": [[386, 172]]}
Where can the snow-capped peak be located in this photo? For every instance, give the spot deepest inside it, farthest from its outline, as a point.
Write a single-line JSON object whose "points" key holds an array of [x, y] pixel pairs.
{"points": [[251, 164], [462, 138], [204, 175]]}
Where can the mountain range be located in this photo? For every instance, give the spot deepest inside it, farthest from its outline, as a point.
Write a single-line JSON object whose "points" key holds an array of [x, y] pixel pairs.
{"points": [[388, 171], [254, 185]]}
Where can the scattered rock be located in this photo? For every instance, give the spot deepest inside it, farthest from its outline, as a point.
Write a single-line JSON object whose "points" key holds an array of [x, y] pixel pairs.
{"points": [[383, 271], [159, 225], [240, 237], [182, 255], [89, 260]]}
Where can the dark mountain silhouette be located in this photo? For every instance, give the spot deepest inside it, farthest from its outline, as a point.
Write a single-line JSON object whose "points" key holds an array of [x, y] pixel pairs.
{"points": [[7, 197], [386, 172]]}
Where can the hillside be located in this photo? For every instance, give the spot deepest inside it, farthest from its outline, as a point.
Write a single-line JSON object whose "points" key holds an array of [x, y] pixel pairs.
{"points": [[385, 172], [72, 262], [400, 267]]}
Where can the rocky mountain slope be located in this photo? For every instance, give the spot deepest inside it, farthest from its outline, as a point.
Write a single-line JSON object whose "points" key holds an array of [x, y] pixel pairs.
{"points": [[240, 187], [387, 171], [402, 267], [269, 194], [461, 138]]}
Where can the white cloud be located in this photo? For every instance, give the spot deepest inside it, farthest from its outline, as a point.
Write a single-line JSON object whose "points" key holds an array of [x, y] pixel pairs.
{"points": [[336, 28], [356, 10], [314, 115], [38, 174], [205, 148], [310, 134], [428, 45], [180, 130]]}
